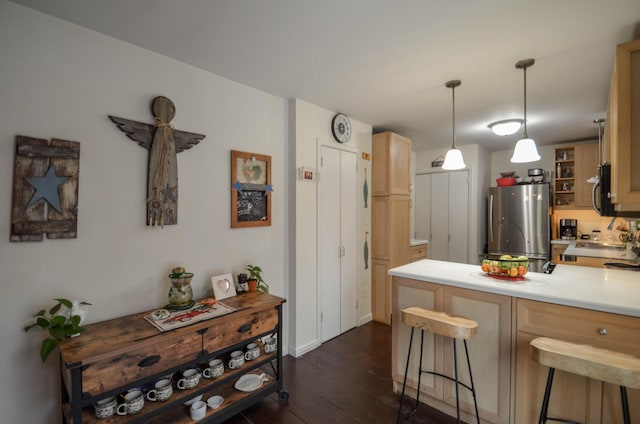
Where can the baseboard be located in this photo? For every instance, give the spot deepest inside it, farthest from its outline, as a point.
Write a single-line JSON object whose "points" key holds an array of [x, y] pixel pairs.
{"points": [[365, 319], [299, 351]]}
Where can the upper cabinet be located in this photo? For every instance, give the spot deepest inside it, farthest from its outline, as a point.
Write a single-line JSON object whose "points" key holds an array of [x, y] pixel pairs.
{"points": [[622, 138], [391, 165]]}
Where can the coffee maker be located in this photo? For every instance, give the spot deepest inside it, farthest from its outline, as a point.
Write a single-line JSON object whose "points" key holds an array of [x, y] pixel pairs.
{"points": [[568, 229]]}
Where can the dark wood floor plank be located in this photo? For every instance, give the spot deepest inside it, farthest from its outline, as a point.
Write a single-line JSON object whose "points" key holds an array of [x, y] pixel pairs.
{"points": [[347, 380]]}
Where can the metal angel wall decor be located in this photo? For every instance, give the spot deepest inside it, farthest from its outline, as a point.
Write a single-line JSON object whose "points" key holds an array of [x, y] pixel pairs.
{"points": [[164, 143]]}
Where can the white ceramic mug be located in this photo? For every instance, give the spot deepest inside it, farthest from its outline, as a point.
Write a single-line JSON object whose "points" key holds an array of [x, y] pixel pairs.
{"points": [[133, 403], [237, 359], [106, 408], [216, 369], [198, 410], [253, 351], [270, 345], [190, 379], [161, 391]]}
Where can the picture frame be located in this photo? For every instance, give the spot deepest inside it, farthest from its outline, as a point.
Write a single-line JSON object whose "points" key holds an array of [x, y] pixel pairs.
{"points": [[251, 190], [223, 286]]}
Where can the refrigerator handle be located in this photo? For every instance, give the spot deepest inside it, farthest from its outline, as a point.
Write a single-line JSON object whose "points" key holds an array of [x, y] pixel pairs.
{"points": [[491, 217]]}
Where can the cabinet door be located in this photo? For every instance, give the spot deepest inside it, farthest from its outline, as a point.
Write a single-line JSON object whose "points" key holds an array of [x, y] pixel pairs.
{"points": [[586, 166], [489, 351], [458, 217], [391, 164], [625, 130], [422, 206], [381, 283], [439, 238]]}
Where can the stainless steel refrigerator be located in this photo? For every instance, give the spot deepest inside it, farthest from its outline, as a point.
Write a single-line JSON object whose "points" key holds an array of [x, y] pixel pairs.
{"points": [[519, 222]]}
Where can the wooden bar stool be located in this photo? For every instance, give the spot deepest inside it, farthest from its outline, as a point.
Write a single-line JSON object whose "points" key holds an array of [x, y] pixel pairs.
{"points": [[588, 361], [443, 324]]}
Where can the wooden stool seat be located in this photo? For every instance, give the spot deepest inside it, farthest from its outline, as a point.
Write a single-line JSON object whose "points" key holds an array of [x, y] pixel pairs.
{"points": [[438, 322], [606, 365]]}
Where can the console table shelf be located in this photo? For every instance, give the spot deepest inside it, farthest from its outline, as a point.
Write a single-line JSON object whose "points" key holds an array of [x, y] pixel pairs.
{"points": [[114, 356]]}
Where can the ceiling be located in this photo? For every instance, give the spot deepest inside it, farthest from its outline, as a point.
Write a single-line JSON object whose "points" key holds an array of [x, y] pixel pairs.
{"points": [[386, 62]]}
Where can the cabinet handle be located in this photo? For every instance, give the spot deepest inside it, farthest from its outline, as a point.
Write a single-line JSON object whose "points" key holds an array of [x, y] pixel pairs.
{"points": [[147, 362], [244, 328], [602, 331]]}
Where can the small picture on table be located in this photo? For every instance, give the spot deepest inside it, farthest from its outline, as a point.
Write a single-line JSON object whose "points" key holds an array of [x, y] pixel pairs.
{"points": [[223, 286]]}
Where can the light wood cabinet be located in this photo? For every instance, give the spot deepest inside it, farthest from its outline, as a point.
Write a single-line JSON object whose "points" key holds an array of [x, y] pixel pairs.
{"points": [[419, 252], [591, 400], [390, 216], [622, 131], [586, 166], [391, 170], [390, 247], [573, 166], [489, 350]]}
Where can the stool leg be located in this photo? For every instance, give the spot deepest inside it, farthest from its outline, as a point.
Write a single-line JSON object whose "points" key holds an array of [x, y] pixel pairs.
{"points": [[547, 394], [455, 374], [473, 387], [419, 371], [406, 372], [625, 405]]}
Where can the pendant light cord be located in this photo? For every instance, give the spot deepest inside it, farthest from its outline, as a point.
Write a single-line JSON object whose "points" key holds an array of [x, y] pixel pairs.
{"points": [[525, 103], [453, 113], [452, 85]]}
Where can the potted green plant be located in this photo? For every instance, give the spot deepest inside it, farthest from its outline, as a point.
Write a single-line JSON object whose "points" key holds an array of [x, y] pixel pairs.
{"points": [[255, 273], [60, 323]]}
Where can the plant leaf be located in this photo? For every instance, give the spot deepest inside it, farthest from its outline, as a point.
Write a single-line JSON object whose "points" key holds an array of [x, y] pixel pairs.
{"points": [[65, 302], [58, 320], [58, 333], [54, 310], [48, 345]]}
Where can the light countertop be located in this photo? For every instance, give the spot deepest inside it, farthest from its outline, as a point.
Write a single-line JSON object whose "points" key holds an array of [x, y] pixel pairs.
{"points": [[418, 242], [599, 289]]}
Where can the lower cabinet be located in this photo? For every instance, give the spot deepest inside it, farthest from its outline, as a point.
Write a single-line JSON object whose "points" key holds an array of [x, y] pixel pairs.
{"points": [[419, 252], [114, 356], [591, 401], [489, 350]]}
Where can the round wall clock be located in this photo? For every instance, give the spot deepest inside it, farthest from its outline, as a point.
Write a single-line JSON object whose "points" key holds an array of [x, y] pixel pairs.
{"points": [[341, 128]]}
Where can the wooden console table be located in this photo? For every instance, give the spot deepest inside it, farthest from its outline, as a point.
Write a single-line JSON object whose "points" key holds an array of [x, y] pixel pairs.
{"points": [[113, 356]]}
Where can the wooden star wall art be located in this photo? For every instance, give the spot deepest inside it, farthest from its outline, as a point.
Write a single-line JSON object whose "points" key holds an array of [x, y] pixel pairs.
{"points": [[164, 143], [45, 189]]}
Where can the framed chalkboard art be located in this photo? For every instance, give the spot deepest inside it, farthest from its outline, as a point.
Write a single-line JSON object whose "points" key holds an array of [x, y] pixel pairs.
{"points": [[251, 190]]}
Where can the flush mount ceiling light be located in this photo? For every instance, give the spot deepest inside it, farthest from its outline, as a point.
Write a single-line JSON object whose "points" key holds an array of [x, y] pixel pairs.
{"points": [[506, 126], [525, 150], [453, 160]]}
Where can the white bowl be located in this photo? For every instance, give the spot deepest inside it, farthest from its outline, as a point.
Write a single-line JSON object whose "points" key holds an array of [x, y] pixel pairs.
{"points": [[214, 402]]}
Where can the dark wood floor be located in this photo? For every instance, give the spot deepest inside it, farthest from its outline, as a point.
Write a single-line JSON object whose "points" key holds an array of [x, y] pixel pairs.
{"points": [[346, 380]]}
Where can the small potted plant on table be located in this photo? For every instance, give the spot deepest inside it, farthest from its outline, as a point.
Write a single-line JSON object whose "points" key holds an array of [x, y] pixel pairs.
{"points": [[255, 280], [60, 324]]}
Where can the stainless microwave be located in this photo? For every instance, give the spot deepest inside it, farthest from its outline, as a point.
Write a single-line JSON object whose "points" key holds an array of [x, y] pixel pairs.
{"points": [[601, 194]]}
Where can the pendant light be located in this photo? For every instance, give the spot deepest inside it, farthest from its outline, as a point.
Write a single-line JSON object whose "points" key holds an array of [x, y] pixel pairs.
{"points": [[453, 160], [525, 150]]}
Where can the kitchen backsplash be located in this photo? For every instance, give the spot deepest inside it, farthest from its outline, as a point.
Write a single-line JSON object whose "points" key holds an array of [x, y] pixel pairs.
{"points": [[588, 221]]}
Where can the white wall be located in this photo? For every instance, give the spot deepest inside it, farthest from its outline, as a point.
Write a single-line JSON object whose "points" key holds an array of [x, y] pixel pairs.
{"points": [[61, 80], [313, 128]]}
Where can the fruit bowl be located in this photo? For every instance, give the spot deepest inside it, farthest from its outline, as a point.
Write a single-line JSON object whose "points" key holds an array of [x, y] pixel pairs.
{"points": [[507, 267]]}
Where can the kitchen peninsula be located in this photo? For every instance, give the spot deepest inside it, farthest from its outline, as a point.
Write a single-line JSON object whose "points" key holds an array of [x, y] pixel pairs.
{"points": [[580, 304]]}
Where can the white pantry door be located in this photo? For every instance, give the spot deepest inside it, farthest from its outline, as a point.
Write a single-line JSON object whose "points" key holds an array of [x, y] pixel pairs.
{"points": [[337, 240]]}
